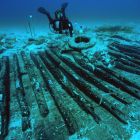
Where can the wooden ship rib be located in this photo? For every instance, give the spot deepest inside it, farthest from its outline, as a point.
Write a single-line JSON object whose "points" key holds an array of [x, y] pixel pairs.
{"points": [[46, 96]]}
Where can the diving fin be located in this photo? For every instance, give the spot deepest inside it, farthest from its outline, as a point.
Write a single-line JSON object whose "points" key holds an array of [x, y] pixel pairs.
{"points": [[43, 11], [64, 5]]}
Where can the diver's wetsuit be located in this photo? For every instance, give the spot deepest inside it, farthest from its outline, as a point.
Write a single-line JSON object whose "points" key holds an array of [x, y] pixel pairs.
{"points": [[60, 18]]}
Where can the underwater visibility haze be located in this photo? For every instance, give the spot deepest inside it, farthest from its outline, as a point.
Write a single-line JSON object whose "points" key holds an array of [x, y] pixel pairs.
{"points": [[69, 70]]}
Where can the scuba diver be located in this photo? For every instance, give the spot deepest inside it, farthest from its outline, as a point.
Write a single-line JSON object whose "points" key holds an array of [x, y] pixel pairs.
{"points": [[60, 23]]}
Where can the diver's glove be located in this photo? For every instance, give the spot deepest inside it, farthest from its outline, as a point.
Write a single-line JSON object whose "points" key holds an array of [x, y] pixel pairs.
{"points": [[43, 11]]}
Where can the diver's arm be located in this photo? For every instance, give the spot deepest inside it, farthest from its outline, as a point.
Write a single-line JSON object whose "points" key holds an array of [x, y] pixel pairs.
{"points": [[70, 29]]}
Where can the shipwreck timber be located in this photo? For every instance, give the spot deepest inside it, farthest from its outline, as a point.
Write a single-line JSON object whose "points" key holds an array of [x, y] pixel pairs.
{"points": [[48, 96]]}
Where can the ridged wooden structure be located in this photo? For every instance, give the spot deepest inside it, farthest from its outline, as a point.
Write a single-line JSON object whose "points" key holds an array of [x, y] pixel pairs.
{"points": [[46, 96]]}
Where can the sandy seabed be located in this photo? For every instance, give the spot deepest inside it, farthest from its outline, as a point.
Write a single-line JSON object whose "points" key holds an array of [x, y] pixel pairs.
{"points": [[16, 40]]}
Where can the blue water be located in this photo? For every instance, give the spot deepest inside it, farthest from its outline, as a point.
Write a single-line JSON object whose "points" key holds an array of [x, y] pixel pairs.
{"points": [[15, 10]]}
